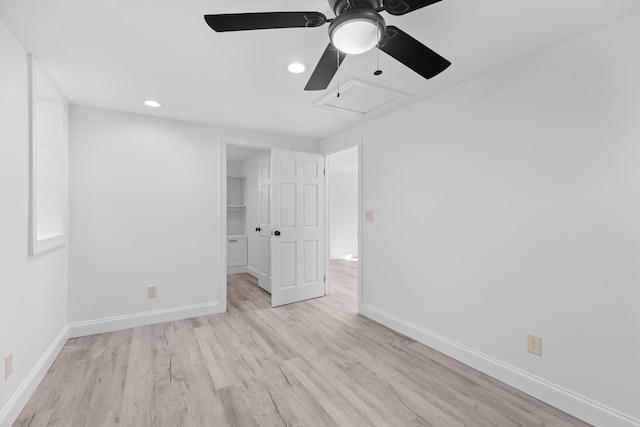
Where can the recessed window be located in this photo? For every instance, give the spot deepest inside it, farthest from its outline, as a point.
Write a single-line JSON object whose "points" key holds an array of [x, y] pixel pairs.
{"points": [[48, 114]]}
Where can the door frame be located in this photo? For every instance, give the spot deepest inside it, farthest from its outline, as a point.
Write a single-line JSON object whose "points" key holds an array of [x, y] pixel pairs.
{"points": [[223, 141], [333, 150]]}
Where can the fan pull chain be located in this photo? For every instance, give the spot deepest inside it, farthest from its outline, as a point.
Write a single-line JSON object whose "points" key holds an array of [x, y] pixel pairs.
{"points": [[378, 71], [338, 73]]}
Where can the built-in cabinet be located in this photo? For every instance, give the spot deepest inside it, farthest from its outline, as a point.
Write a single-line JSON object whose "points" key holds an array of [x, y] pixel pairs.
{"points": [[236, 223], [237, 251]]}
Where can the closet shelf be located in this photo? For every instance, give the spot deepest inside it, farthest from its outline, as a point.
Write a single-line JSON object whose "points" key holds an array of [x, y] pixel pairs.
{"points": [[236, 221]]}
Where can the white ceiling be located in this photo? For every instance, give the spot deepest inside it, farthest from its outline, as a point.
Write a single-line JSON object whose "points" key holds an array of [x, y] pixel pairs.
{"points": [[114, 54]]}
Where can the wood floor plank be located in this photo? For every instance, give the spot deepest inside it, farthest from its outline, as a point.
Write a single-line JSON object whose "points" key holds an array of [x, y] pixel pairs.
{"points": [[314, 363], [330, 396], [138, 397]]}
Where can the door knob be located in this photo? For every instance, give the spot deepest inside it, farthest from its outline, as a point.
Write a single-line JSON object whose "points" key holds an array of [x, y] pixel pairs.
{"points": [[258, 229], [277, 233]]}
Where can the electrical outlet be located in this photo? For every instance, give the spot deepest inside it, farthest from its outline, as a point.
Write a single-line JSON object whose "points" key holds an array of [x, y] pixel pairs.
{"points": [[152, 291], [534, 344], [8, 366], [368, 216]]}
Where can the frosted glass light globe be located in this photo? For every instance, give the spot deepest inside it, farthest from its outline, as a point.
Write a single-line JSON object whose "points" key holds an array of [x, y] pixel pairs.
{"points": [[355, 36]]}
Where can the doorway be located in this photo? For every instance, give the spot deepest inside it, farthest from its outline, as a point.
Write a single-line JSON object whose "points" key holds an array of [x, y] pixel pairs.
{"points": [[243, 245], [280, 194], [343, 214]]}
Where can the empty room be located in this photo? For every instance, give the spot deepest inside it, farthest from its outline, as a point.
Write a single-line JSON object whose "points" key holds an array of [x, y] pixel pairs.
{"points": [[319, 213]]}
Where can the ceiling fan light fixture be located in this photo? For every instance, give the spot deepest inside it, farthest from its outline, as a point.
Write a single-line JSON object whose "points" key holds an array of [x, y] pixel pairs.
{"points": [[356, 31]]}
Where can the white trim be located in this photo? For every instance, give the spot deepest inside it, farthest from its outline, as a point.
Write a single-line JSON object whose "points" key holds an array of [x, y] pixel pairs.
{"points": [[559, 397], [343, 255], [109, 324], [327, 226], [222, 226], [252, 271], [14, 406], [237, 270], [360, 222], [254, 143]]}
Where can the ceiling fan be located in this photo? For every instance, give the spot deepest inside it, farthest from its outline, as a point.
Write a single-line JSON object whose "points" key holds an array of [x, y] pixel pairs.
{"points": [[357, 28]]}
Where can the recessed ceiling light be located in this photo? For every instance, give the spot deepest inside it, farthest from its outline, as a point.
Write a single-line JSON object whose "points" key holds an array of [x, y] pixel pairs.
{"points": [[296, 67], [152, 103]]}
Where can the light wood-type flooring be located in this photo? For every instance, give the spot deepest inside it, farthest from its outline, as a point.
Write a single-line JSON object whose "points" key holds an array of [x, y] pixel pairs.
{"points": [[314, 363]]}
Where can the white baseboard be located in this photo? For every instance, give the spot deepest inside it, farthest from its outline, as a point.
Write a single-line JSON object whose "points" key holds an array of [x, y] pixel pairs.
{"points": [[347, 255], [12, 409], [236, 270], [561, 398], [252, 271], [111, 324]]}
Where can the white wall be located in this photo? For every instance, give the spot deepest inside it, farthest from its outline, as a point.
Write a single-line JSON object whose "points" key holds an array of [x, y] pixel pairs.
{"points": [[144, 211], [343, 214], [234, 168], [509, 206], [33, 299]]}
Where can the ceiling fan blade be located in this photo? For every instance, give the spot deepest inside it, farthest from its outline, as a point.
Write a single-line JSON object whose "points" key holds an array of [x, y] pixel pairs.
{"points": [[326, 69], [412, 53], [400, 7], [263, 21]]}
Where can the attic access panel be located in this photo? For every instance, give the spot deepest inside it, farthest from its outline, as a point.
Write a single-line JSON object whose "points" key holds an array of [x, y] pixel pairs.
{"points": [[360, 98]]}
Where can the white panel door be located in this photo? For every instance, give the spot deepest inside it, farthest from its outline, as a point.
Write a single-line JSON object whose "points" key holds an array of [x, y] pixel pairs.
{"points": [[264, 221], [297, 242]]}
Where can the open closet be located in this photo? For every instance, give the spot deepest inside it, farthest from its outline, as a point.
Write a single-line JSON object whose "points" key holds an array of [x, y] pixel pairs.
{"points": [[275, 221], [237, 250], [242, 205]]}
